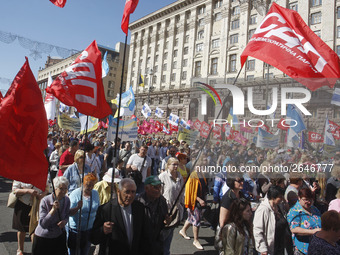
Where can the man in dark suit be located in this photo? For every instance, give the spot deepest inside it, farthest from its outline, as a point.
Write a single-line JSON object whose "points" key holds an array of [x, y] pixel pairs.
{"points": [[124, 232]]}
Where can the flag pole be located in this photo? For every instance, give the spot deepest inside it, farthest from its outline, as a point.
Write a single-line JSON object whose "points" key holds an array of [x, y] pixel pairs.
{"points": [[202, 147], [116, 141], [118, 118], [81, 191]]}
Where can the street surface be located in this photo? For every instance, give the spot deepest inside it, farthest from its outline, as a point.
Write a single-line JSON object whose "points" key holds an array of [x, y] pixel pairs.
{"points": [[8, 239]]}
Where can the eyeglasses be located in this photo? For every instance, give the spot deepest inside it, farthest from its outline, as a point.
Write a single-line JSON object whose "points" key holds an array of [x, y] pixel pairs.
{"points": [[309, 200]]}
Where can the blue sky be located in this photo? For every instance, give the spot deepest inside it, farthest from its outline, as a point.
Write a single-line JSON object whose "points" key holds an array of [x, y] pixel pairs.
{"points": [[73, 27]]}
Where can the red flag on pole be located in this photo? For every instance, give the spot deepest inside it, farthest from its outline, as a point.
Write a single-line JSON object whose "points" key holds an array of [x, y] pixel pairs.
{"points": [[284, 41], [23, 128], [59, 3], [81, 84], [130, 6]]}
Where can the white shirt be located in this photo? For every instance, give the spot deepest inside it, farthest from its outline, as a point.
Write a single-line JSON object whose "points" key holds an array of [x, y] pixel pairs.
{"points": [[137, 161], [128, 222]]}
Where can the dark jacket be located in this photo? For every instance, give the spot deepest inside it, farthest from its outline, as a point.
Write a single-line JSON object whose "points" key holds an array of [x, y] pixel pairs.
{"points": [[118, 240]]}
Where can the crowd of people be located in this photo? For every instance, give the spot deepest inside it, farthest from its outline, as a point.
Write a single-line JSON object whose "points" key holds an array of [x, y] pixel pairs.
{"points": [[128, 198]]}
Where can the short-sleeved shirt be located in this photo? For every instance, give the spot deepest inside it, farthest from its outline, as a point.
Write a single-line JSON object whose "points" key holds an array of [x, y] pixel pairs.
{"points": [[136, 160], [67, 158], [88, 210], [228, 198], [298, 217]]}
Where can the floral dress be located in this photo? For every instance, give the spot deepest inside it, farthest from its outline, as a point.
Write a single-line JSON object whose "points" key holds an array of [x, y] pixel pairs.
{"points": [[298, 217]]}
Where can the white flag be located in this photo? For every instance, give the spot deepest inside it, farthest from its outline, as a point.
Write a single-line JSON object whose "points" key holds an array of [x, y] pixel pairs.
{"points": [[173, 119], [146, 111], [159, 112], [328, 137], [50, 107]]}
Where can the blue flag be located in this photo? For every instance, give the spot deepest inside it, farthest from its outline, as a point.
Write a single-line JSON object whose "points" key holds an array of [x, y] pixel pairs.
{"points": [[294, 114], [105, 66]]}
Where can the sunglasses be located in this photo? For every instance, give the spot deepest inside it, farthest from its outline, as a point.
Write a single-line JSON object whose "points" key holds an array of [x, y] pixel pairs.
{"points": [[240, 180]]}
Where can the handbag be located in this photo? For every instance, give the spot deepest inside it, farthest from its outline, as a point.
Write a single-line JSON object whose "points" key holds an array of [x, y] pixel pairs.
{"points": [[12, 200]]}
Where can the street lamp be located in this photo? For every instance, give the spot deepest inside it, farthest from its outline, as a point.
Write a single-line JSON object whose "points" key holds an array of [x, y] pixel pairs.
{"points": [[150, 85]]}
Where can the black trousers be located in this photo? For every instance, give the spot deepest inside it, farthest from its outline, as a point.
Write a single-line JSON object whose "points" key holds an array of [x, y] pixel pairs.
{"points": [[50, 246]]}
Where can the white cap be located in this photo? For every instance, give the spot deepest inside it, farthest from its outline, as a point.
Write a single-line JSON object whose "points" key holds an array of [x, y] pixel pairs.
{"points": [[108, 176]]}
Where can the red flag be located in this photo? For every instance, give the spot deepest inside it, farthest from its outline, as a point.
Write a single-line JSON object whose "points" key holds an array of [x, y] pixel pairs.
{"points": [[197, 125], [205, 128], [130, 6], [1, 97], [59, 3], [281, 124], [81, 84], [315, 137], [285, 41], [23, 128]]}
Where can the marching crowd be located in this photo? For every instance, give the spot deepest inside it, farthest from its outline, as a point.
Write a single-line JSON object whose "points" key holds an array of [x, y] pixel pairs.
{"points": [[266, 201]]}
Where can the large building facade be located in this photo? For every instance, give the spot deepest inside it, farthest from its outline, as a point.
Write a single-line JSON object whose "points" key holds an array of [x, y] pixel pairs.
{"points": [[192, 41], [111, 82]]}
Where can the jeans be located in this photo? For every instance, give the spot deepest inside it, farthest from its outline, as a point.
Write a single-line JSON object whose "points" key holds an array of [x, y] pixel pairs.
{"points": [[167, 237]]}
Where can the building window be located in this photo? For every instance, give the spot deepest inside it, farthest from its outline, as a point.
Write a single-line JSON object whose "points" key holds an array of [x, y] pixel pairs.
{"points": [[200, 34], [163, 78], [199, 47], [156, 58], [217, 4], [235, 24], [234, 39], [166, 45], [186, 39], [215, 43], [181, 101], [251, 33], [337, 31], [253, 19], [165, 56], [217, 16], [155, 69], [185, 50], [293, 6], [338, 12], [184, 75], [316, 2], [232, 63], [251, 65], [112, 84], [270, 75], [173, 76], [214, 62], [236, 10], [338, 50], [175, 53], [318, 33], [316, 18], [198, 68], [200, 22], [201, 9], [185, 62], [110, 93], [174, 65], [165, 66], [250, 77], [154, 79], [176, 42]]}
